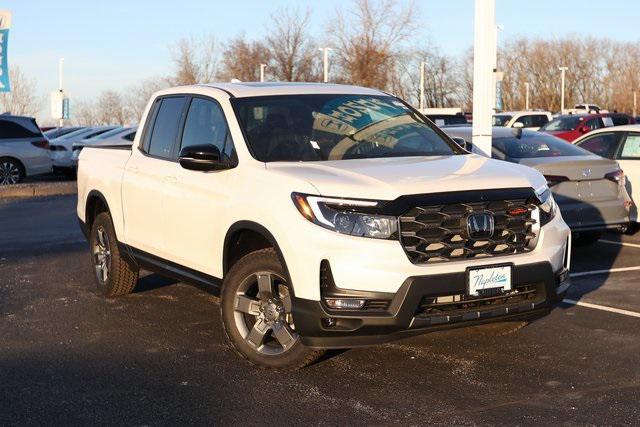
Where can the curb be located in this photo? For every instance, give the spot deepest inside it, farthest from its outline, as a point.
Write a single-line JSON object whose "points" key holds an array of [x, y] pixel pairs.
{"points": [[38, 189]]}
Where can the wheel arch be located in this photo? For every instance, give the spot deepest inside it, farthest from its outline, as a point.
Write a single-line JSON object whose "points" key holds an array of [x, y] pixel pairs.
{"points": [[249, 229], [96, 203]]}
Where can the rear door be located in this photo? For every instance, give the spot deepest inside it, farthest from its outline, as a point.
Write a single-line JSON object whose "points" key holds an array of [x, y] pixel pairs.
{"points": [[145, 179], [629, 160]]}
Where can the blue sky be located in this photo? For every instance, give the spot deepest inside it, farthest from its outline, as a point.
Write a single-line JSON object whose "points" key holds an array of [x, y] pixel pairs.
{"points": [[114, 44]]}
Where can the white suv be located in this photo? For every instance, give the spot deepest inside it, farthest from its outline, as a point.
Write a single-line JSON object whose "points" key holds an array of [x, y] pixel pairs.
{"points": [[532, 120], [327, 216]]}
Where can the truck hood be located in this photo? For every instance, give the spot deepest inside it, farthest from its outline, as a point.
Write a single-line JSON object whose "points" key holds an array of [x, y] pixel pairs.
{"points": [[390, 178]]}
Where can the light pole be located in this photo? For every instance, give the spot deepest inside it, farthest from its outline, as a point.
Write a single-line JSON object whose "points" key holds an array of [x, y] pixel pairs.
{"points": [[60, 71], [635, 103], [262, 67], [484, 88], [325, 63], [526, 96], [562, 70], [422, 65]]}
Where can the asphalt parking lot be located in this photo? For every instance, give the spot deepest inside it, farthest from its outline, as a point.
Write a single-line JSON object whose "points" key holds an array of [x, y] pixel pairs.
{"points": [[158, 357]]}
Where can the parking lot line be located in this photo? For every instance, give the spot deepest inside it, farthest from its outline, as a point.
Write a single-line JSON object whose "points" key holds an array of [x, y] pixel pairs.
{"points": [[602, 307], [610, 270], [612, 242]]}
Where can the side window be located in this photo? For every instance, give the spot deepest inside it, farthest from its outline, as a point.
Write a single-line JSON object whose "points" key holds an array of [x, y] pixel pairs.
{"points": [[205, 124], [165, 127], [527, 121], [620, 120], [594, 124], [602, 144], [631, 147], [540, 120]]}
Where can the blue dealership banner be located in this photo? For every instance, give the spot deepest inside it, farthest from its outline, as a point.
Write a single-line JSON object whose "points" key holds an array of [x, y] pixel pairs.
{"points": [[5, 24]]}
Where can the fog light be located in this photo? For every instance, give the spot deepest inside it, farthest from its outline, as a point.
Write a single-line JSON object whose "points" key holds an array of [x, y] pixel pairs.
{"points": [[328, 322], [345, 303]]}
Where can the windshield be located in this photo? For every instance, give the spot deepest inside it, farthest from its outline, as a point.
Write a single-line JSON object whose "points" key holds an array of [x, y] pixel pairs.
{"points": [[336, 127], [536, 145], [110, 133], [563, 123], [501, 120]]}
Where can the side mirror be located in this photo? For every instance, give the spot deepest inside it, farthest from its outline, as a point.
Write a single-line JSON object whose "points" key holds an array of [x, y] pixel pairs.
{"points": [[518, 125], [204, 157], [584, 129]]}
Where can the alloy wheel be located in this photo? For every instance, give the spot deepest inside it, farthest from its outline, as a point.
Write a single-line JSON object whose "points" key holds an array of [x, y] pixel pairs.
{"points": [[9, 173], [262, 312], [101, 254]]}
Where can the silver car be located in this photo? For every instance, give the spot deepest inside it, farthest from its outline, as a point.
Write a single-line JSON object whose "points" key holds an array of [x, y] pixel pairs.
{"points": [[590, 190], [24, 150], [117, 137], [61, 153]]}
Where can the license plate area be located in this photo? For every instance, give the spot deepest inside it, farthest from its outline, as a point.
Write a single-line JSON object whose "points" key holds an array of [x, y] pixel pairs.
{"points": [[489, 280]]}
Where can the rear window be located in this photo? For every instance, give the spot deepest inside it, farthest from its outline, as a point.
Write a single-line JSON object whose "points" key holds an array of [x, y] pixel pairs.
{"points": [[18, 128], [563, 124], [446, 119], [536, 145], [620, 120]]}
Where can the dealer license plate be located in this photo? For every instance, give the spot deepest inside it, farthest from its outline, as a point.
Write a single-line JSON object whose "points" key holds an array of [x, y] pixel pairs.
{"points": [[489, 279]]}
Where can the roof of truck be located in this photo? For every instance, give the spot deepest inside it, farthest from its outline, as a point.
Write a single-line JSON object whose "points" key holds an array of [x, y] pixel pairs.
{"points": [[246, 89]]}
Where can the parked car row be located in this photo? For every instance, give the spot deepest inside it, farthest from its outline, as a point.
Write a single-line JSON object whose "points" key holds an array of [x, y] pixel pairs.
{"points": [[25, 150]]}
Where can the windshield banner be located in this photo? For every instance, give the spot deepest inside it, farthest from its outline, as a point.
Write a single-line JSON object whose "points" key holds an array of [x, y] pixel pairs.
{"points": [[5, 24]]}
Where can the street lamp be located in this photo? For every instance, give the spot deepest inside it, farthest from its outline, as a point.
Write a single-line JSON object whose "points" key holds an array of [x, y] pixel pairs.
{"points": [[262, 67], [562, 70], [325, 62]]}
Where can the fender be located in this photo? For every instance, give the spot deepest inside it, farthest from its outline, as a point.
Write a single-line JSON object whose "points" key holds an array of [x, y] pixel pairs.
{"points": [[253, 226]]}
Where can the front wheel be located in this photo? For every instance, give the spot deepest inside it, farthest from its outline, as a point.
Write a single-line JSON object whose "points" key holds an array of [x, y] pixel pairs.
{"points": [[256, 314]]}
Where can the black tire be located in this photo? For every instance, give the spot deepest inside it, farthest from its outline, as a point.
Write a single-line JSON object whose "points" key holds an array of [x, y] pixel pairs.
{"points": [[11, 171], [121, 275], [587, 238], [238, 282]]}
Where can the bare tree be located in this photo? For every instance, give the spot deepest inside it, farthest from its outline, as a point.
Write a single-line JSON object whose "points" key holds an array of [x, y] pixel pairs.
{"points": [[84, 114], [292, 50], [368, 40], [22, 99], [196, 61], [110, 109], [242, 60], [138, 96]]}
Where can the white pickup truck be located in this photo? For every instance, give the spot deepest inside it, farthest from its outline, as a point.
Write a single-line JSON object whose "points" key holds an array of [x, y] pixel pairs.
{"points": [[327, 216]]}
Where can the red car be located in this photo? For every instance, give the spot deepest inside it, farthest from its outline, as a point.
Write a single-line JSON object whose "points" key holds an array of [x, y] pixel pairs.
{"points": [[571, 127]]}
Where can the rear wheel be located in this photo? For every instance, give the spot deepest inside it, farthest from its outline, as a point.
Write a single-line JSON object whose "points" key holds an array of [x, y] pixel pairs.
{"points": [[114, 275], [257, 317], [11, 171]]}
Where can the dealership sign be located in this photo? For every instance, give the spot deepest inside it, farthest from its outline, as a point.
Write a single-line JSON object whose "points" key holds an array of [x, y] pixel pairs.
{"points": [[5, 24]]}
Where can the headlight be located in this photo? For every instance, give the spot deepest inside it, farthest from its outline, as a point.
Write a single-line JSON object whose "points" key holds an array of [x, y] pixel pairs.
{"points": [[547, 205], [347, 216]]}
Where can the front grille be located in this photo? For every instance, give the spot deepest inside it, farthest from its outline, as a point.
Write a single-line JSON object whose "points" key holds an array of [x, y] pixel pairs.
{"points": [[458, 305], [439, 232]]}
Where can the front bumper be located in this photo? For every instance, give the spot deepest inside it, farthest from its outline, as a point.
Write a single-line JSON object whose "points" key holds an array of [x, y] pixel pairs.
{"points": [[406, 315]]}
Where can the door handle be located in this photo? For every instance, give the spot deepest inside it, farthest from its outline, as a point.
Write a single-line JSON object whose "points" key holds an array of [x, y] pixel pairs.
{"points": [[170, 179]]}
